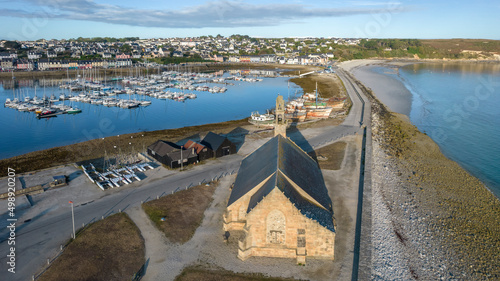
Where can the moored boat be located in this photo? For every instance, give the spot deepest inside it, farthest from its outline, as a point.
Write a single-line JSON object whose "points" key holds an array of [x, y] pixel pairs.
{"points": [[73, 110]]}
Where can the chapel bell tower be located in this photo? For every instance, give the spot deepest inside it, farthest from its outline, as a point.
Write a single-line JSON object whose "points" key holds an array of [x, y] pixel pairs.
{"points": [[280, 123]]}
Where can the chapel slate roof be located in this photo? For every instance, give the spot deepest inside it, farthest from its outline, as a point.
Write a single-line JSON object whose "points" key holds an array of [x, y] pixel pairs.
{"points": [[213, 141], [255, 168], [280, 161]]}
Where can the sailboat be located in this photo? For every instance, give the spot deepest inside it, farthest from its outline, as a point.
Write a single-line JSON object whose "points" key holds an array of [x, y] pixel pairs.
{"points": [[73, 110], [315, 110]]}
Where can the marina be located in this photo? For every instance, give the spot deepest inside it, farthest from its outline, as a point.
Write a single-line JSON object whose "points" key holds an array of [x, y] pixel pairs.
{"points": [[98, 92], [163, 106]]}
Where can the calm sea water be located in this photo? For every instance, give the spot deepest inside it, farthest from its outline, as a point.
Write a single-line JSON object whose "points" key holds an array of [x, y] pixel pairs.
{"points": [[23, 132], [458, 106]]}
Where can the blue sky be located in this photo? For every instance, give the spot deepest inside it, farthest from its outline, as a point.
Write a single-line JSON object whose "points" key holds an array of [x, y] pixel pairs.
{"points": [[35, 19]]}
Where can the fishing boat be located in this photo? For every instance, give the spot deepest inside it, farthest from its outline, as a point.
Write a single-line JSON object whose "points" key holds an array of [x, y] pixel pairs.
{"points": [[318, 113], [296, 114], [256, 116], [266, 120], [308, 107]]}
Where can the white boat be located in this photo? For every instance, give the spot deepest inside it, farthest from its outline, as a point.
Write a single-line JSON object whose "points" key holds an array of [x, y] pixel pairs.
{"points": [[33, 108], [23, 107], [191, 96], [256, 116], [109, 102], [73, 110], [53, 99]]}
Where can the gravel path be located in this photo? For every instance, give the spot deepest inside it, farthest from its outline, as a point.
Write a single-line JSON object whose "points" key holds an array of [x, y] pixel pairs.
{"points": [[156, 243]]}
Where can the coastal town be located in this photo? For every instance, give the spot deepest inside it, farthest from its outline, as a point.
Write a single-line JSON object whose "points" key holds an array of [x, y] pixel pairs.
{"points": [[98, 52], [306, 127], [229, 140], [104, 53]]}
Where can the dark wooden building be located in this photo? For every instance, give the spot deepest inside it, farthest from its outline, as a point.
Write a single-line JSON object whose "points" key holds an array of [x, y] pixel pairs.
{"points": [[220, 145], [170, 154], [202, 151]]}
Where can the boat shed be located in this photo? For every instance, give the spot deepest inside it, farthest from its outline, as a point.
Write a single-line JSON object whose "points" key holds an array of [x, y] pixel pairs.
{"points": [[221, 146], [202, 151], [170, 154]]}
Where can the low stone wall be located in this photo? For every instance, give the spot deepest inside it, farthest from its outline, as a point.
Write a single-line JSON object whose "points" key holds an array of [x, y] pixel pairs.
{"points": [[30, 190]]}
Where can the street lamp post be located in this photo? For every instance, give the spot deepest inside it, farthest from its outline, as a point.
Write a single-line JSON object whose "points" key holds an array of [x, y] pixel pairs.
{"points": [[182, 160], [73, 218]]}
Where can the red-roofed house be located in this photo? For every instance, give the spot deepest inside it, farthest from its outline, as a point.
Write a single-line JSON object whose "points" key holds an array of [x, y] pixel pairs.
{"points": [[123, 56], [202, 151]]}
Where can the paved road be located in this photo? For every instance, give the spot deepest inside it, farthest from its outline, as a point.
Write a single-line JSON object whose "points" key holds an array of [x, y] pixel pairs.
{"points": [[362, 242], [40, 239]]}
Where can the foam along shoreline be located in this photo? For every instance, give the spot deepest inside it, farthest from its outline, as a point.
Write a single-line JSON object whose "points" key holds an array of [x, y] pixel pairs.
{"points": [[390, 90]]}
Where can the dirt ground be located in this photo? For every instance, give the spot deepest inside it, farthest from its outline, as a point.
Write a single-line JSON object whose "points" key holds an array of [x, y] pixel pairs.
{"points": [[200, 274], [330, 157], [181, 212], [110, 249]]}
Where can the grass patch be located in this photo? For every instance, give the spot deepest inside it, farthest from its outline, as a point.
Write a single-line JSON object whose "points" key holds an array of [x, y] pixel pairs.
{"points": [[334, 154], [327, 86], [110, 249], [95, 149], [183, 212], [201, 274], [285, 69]]}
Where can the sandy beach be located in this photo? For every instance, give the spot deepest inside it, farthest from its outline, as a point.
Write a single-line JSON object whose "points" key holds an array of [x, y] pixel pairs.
{"points": [[390, 90]]}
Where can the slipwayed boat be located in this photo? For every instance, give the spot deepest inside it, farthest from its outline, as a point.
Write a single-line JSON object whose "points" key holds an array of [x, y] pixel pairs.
{"points": [[266, 120]]}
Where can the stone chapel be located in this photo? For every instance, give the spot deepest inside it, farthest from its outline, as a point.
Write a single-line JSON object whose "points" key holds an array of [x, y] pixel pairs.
{"points": [[280, 201]]}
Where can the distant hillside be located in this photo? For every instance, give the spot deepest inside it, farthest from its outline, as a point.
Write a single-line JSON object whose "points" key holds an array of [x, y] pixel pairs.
{"points": [[456, 46], [482, 49]]}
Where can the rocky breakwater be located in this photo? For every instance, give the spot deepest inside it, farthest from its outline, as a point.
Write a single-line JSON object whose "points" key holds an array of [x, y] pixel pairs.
{"points": [[431, 219]]}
